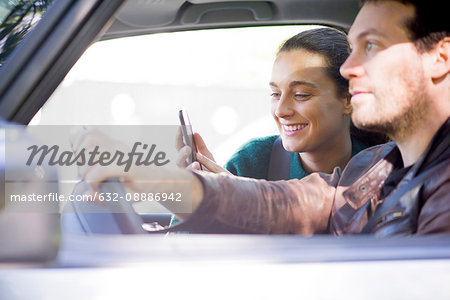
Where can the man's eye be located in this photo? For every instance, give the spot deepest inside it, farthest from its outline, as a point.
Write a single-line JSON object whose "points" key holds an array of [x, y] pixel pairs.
{"points": [[370, 46]]}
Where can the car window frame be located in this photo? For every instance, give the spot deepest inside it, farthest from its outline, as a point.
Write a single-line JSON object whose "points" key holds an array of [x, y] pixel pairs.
{"points": [[38, 65]]}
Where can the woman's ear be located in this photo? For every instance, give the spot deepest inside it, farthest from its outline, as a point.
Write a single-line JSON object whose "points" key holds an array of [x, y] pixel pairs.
{"points": [[347, 109], [441, 59]]}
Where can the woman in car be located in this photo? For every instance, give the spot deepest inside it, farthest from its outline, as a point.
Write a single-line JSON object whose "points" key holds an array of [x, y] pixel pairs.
{"points": [[311, 107]]}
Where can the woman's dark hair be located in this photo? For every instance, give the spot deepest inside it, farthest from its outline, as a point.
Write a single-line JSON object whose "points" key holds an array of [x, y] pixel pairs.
{"points": [[333, 46]]}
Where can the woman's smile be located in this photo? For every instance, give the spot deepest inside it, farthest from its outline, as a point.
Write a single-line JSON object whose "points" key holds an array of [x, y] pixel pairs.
{"points": [[293, 129]]}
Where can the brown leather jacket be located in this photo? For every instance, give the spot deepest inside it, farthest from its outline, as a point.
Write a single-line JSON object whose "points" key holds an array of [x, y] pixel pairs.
{"points": [[345, 202]]}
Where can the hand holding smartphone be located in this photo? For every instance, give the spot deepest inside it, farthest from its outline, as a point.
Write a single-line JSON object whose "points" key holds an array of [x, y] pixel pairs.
{"points": [[188, 135]]}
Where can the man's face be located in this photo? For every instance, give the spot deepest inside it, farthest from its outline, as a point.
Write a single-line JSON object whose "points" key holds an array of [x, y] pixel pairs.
{"points": [[385, 70]]}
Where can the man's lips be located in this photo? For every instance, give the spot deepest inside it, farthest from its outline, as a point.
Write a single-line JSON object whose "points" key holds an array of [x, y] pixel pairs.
{"points": [[358, 93]]}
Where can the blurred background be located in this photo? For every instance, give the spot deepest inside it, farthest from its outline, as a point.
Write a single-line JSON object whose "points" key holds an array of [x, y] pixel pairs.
{"points": [[219, 76]]}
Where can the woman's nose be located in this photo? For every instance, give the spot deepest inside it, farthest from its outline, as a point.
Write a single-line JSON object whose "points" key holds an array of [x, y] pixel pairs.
{"points": [[283, 107]]}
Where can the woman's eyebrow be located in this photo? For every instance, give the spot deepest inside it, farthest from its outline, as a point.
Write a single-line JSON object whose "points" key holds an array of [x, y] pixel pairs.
{"points": [[294, 83]]}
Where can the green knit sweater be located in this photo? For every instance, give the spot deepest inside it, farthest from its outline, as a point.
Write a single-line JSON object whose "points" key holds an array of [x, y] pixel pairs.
{"points": [[252, 159]]}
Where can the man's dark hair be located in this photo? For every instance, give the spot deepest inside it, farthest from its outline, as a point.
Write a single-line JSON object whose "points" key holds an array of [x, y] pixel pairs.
{"points": [[333, 46], [429, 25]]}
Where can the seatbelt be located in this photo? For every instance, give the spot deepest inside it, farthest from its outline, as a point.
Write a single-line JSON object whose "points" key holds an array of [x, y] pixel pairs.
{"points": [[280, 162]]}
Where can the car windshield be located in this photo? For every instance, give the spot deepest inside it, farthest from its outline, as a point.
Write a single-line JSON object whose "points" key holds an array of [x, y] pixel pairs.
{"points": [[18, 18]]}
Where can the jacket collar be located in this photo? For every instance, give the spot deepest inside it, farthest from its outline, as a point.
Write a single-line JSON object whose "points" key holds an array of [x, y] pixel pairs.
{"points": [[366, 190], [437, 150]]}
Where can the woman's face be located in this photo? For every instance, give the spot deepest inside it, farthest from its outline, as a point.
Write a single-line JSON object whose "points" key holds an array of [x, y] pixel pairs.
{"points": [[305, 104]]}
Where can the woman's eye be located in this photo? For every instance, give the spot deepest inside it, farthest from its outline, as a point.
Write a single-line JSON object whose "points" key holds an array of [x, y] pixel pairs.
{"points": [[299, 96], [275, 95]]}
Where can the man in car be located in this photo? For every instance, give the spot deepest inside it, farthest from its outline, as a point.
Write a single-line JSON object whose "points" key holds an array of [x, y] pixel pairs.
{"points": [[399, 78]]}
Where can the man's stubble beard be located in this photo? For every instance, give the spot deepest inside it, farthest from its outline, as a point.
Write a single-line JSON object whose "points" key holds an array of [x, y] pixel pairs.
{"points": [[410, 114]]}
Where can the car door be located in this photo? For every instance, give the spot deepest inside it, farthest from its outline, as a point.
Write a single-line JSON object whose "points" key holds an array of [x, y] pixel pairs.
{"points": [[40, 41]]}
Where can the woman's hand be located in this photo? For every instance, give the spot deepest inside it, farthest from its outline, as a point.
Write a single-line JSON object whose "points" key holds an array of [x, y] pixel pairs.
{"points": [[184, 151], [204, 156], [210, 165]]}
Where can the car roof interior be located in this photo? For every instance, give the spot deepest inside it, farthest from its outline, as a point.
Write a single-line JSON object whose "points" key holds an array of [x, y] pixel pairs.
{"points": [[149, 16]]}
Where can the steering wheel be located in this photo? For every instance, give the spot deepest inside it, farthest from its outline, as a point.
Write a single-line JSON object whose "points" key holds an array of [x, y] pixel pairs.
{"points": [[116, 216]]}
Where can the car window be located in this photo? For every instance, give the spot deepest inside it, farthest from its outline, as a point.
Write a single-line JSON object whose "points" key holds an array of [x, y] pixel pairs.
{"points": [[18, 18], [220, 76]]}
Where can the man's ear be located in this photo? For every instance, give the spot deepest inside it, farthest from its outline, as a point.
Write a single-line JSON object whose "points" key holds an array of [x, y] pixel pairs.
{"points": [[347, 105], [441, 59]]}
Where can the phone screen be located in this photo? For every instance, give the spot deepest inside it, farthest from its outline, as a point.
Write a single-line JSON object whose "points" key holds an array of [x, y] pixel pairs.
{"points": [[188, 134]]}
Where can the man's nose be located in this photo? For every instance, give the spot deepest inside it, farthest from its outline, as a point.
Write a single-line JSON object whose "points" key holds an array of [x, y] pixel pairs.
{"points": [[352, 67]]}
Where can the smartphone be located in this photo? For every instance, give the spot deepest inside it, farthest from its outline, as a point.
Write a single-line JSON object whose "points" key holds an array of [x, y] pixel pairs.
{"points": [[188, 135]]}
